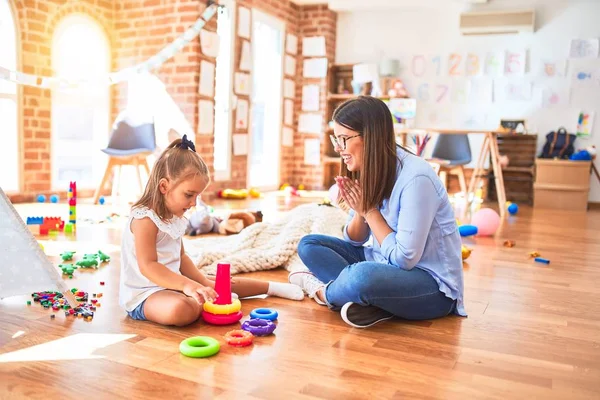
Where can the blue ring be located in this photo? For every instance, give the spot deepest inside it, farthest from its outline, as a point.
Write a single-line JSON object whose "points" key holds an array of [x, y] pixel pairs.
{"points": [[264, 313]]}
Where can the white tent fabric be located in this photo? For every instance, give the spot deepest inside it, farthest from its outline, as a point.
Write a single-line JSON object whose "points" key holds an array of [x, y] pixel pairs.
{"points": [[24, 268]]}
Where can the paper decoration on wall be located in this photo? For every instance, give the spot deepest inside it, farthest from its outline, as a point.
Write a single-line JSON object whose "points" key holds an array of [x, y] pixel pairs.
{"points": [[422, 93], [206, 114], [315, 68], [481, 91], [241, 115], [555, 96], [585, 73], [515, 63], [459, 91], [585, 123], [455, 64], [433, 92], [436, 62], [494, 63], [312, 152], [313, 46], [403, 108], [418, 65], [552, 68], [246, 56], [441, 93], [244, 22], [514, 91], [288, 112], [242, 83], [124, 74], [287, 138], [207, 79], [240, 144], [365, 72], [310, 98], [209, 43], [474, 65], [289, 67], [471, 119], [291, 44], [289, 89], [584, 48], [310, 123]]}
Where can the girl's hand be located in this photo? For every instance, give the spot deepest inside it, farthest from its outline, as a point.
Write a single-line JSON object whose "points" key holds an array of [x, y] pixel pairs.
{"points": [[200, 293], [351, 192]]}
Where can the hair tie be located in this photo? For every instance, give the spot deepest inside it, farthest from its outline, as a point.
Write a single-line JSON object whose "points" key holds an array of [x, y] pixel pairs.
{"points": [[187, 144]]}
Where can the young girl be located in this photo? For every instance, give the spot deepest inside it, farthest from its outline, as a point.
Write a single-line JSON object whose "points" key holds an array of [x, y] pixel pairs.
{"points": [[413, 269], [159, 282]]}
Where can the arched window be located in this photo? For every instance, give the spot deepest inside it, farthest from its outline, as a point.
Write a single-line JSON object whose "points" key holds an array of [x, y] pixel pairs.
{"points": [[80, 114], [9, 105]]}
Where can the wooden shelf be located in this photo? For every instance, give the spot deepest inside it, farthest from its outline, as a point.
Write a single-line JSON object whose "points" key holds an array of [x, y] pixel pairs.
{"points": [[518, 169]]}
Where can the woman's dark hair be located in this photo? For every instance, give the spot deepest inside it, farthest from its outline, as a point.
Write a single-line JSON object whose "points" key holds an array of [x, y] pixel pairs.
{"points": [[371, 118]]}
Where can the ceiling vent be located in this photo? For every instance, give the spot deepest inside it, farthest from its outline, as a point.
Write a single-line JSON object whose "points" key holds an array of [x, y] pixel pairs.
{"points": [[497, 22]]}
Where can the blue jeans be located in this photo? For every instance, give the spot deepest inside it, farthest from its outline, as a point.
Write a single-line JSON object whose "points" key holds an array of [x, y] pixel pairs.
{"points": [[413, 294]]}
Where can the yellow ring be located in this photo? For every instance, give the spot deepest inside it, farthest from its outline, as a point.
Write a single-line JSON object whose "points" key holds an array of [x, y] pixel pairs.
{"points": [[221, 309]]}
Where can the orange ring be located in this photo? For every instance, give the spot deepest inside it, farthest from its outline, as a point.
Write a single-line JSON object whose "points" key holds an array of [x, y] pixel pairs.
{"points": [[239, 338]]}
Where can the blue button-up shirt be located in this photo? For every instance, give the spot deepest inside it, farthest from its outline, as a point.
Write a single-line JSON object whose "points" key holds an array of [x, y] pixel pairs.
{"points": [[425, 231]]}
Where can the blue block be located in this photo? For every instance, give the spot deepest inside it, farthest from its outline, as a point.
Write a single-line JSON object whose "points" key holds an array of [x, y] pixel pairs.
{"points": [[467, 230], [35, 220]]}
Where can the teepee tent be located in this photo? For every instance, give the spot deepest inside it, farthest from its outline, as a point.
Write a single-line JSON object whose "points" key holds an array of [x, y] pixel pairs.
{"points": [[24, 268]]}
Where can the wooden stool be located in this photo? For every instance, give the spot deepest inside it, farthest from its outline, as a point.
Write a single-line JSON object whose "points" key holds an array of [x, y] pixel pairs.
{"points": [[137, 160]]}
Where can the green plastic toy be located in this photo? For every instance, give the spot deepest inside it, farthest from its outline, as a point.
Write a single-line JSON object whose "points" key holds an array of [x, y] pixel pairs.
{"points": [[103, 257], [87, 263], [92, 256], [67, 269], [67, 255]]}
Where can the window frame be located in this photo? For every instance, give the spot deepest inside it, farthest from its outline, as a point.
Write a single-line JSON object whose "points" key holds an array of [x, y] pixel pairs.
{"points": [[225, 174]]}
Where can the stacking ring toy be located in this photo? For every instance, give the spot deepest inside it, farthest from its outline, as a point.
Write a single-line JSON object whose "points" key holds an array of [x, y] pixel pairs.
{"points": [[264, 313], [239, 338], [222, 319], [259, 327], [213, 308], [199, 347]]}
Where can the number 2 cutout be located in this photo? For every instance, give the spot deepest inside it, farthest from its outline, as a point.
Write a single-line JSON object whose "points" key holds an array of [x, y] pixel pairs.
{"points": [[454, 64]]}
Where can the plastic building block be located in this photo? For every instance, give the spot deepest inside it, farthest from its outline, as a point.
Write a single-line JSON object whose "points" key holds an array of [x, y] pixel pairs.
{"points": [[69, 228], [67, 255], [87, 263], [103, 257], [35, 220]]}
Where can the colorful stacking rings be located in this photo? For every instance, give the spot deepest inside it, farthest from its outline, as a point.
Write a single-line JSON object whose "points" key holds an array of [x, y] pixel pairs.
{"points": [[222, 319], [199, 347], [264, 313], [220, 309], [259, 327], [239, 338]]}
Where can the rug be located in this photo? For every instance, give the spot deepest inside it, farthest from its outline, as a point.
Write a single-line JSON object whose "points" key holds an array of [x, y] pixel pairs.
{"points": [[264, 246]]}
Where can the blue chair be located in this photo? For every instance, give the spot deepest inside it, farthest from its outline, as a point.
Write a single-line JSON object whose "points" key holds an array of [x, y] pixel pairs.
{"points": [[132, 140], [452, 152]]}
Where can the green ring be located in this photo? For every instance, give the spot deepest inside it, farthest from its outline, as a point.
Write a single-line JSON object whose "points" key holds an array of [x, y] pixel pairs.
{"points": [[199, 347]]}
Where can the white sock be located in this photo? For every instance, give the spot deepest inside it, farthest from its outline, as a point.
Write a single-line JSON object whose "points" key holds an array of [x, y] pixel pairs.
{"points": [[285, 290]]}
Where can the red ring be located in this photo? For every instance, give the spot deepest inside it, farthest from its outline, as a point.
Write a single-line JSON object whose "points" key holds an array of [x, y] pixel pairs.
{"points": [[222, 319], [239, 338]]}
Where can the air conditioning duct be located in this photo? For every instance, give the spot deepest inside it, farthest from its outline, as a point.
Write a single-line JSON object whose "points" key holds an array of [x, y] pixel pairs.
{"points": [[497, 22]]}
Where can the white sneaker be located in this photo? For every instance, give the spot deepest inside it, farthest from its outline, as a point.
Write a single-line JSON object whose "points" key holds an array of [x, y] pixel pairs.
{"points": [[308, 283]]}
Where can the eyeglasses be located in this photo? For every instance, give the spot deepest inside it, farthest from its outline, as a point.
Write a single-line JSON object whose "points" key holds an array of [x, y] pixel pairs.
{"points": [[340, 142]]}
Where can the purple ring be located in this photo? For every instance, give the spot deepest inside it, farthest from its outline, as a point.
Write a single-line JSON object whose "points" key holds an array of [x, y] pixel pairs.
{"points": [[259, 327]]}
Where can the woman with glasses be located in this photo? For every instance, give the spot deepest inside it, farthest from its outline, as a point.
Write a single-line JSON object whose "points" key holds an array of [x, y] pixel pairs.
{"points": [[412, 266]]}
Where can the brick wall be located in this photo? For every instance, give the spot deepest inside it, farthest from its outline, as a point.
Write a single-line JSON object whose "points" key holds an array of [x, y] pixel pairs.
{"points": [[137, 30], [36, 21], [315, 20]]}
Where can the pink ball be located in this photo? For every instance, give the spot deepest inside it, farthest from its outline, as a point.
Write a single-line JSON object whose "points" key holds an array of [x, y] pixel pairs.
{"points": [[487, 221]]}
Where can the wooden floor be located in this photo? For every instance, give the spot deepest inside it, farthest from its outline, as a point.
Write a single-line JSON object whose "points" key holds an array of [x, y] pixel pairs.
{"points": [[533, 331]]}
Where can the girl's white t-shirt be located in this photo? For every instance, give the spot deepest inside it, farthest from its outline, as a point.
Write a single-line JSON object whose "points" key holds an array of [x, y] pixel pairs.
{"points": [[134, 287]]}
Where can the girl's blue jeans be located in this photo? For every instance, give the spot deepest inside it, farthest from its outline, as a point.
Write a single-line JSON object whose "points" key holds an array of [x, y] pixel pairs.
{"points": [[413, 294]]}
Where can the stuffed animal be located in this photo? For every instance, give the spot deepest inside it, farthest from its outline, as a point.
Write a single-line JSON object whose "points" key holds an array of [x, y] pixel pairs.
{"points": [[202, 221]]}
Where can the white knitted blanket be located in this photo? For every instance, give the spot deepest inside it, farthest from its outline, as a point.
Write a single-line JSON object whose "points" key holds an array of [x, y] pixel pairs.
{"points": [[264, 246]]}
